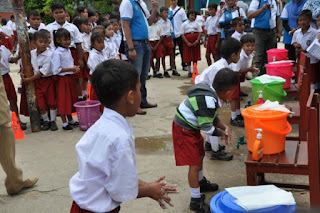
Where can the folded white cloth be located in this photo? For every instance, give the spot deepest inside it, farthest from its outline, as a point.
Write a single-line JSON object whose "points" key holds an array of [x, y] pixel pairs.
{"points": [[260, 197], [264, 79], [272, 105]]}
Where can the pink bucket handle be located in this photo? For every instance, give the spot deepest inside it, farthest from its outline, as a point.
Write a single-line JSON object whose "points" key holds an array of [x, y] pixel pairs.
{"points": [[275, 131]]}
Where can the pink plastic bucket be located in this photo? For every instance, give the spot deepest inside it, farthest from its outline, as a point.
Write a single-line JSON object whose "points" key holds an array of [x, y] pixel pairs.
{"points": [[88, 113], [277, 55], [283, 70]]}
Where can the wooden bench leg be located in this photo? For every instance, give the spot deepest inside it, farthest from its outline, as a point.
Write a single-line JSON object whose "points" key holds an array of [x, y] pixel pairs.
{"points": [[251, 176], [261, 179]]}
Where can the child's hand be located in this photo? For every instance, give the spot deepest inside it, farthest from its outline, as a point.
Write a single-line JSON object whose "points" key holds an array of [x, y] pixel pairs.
{"points": [[76, 69], [161, 194], [80, 62], [227, 136], [189, 44]]}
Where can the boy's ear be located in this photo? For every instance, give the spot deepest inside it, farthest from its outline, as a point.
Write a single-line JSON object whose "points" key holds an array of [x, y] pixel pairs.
{"points": [[130, 98]]}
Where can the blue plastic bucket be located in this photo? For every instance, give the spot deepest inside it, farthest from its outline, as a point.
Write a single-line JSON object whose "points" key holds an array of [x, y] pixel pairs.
{"points": [[223, 202]]}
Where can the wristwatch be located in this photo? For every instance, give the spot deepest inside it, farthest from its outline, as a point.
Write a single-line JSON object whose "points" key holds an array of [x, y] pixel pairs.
{"points": [[131, 49]]}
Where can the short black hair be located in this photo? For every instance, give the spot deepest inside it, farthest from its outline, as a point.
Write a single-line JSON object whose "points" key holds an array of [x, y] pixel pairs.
{"points": [[192, 11], [91, 12], [106, 24], [31, 37], [102, 19], [157, 13], [60, 33], [41, 34], [12, 17], [116, 8], [80, 9], [4, 21], [112, 79], [32, 13], [78, 21], [163, 9], [306, 13], [224, 80], [56, 6], [247, 38], [98, 27], [235, 21], [114, 20], [96, 37], [114, 14], [228, 47], [213, 6]]}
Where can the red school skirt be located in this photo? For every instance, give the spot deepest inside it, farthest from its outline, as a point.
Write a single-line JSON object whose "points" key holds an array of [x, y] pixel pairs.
{"points": [[157, 53], [191, 54], [45, 92], [7, 42], [85, 70], [76, 209], [66, 91], [167, 46], [74, 55], [9, 87], [211, 45]]}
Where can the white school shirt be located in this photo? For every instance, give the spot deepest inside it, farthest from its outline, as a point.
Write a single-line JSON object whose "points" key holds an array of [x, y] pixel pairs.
{"points": [[61, 58], [190, 27], [117, 38], [305, 40], [6, 30], [12, 25], [177, 20], [243, 62], [238, 35], [41, 63], [207, 76], [76, 37], [200, 20], [107, 174], [212, 24], [86, 44], [6, 56], [32, 30], [110, 48], [156, 31], [166, 26], [95, 58]]}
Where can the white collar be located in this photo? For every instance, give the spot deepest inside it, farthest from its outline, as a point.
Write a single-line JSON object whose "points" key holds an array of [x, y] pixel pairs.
{"points": [[117, 118]]}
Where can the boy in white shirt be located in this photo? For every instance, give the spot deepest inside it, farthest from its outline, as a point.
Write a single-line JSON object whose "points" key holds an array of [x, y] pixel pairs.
{"points": [[238, 26], [156, 34], [6, 35], [34, 19], [212, 34], [107, 173]]}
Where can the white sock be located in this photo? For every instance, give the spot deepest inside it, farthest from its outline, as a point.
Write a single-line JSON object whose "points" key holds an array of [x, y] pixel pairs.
{"points": [[45, 117], [213, 140], [84, 92], [65, 124], [71, 122], [53, 114], [200, 175], [233, 115], [79, 97], [238, 112], [195, 192], [189, 69]]}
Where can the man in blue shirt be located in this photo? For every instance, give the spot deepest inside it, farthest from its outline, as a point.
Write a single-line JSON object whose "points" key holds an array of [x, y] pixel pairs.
{"points": [[136, 19], [266, 29]]}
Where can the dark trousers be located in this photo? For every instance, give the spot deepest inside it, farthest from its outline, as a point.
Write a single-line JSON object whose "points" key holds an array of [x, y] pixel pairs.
{"points": [[179, 42], [292, 51]]}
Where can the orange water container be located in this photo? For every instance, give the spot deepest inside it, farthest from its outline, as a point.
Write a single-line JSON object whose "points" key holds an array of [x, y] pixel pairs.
{"points": [[274, 125]]}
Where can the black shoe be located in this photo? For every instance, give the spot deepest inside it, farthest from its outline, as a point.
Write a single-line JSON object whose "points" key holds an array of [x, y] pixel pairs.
{"points": [[68, 127], [207, 147], [184, 68], [166, 74], [170, 69], [23, 125], [19, 90], [206, 186], [45, 126], [189, 75], [174, 72], [149, 76], [243, 94], [237, 122], [84, 97], [53, 126], [240, 117], [76, 123], [221, 155], [157, 75], [198, 205]]}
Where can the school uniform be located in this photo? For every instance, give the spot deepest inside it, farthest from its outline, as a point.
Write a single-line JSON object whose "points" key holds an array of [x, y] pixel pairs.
{"points": [[237, 35], [107, 174], [227, 17], [86, 46], [45, 86], [32, 30], [6, 41], [6, 56], [110, 48], [155, 34], [95, 58], [12, 25], [212, 31], [117, 37], [191, 31], [66, 85], [167, 42]]}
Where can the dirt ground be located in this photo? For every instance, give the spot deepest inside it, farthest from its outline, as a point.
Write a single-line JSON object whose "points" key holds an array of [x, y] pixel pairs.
{"points": [[51, 156]]}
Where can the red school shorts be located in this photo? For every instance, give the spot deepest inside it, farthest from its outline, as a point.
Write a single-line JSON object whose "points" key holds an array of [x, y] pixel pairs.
{"points": [[9, 87], [211, 45], [188, 146], [167, 46], [7, 42], [76, 209], [236, 92], [157, 53], [45, 92]]}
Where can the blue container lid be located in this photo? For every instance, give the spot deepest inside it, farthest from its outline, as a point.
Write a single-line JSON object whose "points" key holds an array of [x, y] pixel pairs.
{"points": [[223, 202]]}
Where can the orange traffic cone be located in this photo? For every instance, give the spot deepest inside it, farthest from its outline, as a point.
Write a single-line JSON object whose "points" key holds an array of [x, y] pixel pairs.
{"points": [[18, 134], [89, 92], [195, 72]]}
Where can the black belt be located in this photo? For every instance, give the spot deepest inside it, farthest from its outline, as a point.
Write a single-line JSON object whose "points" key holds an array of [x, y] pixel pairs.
{"points": [[142, 41], [265, 30], [213, 35], [167, 36], [72, 48]]}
